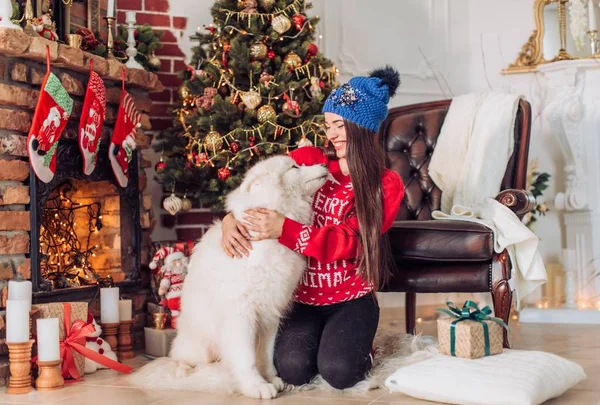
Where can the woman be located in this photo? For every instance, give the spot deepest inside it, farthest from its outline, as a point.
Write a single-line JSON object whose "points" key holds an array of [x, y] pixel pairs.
{"points": [[332, 324]]}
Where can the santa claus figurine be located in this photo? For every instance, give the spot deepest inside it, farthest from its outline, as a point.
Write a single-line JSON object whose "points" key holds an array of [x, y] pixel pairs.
{"points": [[173, 271]]}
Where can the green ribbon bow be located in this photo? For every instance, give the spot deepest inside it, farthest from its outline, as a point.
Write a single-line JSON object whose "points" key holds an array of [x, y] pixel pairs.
{"points": [[470, 311]]}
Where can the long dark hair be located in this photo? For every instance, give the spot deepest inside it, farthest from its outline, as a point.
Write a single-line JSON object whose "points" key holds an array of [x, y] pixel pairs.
{"points": [[367, 162]]}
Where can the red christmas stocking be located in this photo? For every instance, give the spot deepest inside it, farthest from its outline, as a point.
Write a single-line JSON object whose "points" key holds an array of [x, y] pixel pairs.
{"points": [[52, 112], [92, 119], [123, 143]]}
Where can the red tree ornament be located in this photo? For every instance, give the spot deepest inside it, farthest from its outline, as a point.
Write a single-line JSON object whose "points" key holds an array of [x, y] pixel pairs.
{"points": [[234, 146], [160, 166], [223, 173], [298, 20], [271, 54], [312, 50], [225, 55]]}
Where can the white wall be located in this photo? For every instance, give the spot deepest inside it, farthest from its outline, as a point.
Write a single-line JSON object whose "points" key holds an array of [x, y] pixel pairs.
{"points": [[467, 42]]}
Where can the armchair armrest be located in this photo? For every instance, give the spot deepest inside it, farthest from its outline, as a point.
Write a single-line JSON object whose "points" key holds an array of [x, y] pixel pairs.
{"points": [[519, 201]]}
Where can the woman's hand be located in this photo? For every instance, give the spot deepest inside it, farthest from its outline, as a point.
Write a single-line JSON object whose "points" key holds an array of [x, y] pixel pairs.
{"points": [[235, 236], [267, 223]]}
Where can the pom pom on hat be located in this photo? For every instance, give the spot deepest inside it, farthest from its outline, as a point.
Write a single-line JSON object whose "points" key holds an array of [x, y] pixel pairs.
{"points": [[389, 77]]}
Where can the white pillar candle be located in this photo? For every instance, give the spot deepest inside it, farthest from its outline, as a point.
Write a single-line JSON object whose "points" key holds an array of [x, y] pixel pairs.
{"points": [[17, 321], [125, 310], [20, 290], [130, 17], [109, 305], [47, 339], [110, 9], [592, 16]]}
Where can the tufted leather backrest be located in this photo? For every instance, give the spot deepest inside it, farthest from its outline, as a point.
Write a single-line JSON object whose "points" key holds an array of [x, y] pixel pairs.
{"points": [[409, 135]]}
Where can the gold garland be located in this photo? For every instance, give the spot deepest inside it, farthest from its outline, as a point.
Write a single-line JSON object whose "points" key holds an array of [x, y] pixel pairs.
{"points": [[263, 16]]}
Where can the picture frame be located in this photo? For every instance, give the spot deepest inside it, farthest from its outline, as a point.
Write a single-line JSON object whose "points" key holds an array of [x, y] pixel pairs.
{"points": [[71, 15]]}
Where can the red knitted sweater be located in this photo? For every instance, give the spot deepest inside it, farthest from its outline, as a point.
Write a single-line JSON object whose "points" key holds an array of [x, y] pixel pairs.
{"points": [[332, 242]]}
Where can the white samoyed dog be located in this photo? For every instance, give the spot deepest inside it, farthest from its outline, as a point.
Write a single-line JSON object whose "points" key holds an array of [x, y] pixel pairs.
{"points": [[230, 307]]}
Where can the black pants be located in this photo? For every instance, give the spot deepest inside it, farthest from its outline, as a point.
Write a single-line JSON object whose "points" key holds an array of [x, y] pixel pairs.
{"points": [[334, 341]]}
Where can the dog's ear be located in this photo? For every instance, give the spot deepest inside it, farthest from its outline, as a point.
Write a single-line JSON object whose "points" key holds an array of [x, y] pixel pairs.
{"points": [[253, 182]]}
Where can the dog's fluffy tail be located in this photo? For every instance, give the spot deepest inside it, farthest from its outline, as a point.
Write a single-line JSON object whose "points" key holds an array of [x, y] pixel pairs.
{"points": [[160, 374]]}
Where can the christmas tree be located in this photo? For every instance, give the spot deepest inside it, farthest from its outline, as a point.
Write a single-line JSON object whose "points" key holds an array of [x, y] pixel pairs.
{"points": [[255, 88]]}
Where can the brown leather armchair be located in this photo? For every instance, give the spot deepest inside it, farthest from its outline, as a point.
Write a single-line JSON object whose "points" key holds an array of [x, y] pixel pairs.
{"points": [[438, 256]]}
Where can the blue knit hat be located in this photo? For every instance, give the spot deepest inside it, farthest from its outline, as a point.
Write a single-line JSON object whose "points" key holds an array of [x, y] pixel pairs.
{"points": [[364, 100]]}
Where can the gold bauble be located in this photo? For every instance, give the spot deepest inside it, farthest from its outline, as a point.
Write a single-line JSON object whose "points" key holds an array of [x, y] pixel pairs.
{"points": [[251, 99], [213, 141], [267, 4], [183, 92], [186, 204], [258, 50], [281, 23], [292, 61], [154, 61], [266, 113], [241, 4]]}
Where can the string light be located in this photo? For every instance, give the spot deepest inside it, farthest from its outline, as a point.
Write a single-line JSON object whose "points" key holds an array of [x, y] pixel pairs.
{"points": [[63, 253]]}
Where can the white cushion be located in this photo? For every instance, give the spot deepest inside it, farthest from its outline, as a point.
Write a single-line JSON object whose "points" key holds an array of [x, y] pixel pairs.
{"points": [[515, 377]]}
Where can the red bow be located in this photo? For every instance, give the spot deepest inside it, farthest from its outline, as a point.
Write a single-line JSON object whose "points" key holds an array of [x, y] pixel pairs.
{"points": [[75, 341]]}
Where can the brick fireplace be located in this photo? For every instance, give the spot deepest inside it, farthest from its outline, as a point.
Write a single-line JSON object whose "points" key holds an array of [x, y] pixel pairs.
{"points": [[123, 241]]}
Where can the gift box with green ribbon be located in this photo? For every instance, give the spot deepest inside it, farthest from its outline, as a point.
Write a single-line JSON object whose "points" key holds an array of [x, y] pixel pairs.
{"points": [[470, 332]]}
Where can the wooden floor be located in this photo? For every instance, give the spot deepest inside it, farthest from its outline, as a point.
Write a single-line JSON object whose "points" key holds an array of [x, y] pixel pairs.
{"points": [[578, 343]]}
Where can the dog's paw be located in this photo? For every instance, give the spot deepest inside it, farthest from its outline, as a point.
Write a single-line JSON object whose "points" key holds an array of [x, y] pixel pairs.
{"points": [[182, 370], [260, 391], [277, 382]]}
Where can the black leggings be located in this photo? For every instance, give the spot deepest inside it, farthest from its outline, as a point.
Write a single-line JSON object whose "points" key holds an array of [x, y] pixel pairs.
{"points": [[333, 340]]}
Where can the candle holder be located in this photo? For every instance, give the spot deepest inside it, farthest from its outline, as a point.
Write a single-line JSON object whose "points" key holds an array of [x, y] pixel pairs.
{"points": [[50, 377], [109, 332], [593, 41], [131, 49], [125, 349], [110, 43], [19, 358], [159, 319]]}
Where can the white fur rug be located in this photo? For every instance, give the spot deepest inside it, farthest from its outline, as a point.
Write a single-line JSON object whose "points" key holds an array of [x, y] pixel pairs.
{"points": [[393, 350]]}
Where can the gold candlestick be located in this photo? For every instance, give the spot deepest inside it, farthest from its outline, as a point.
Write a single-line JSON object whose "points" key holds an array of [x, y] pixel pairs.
{"points": [[50, 377], [109, 333], [159, 319], [562, 29], [19, 358], [125, 350], [110, 41]]}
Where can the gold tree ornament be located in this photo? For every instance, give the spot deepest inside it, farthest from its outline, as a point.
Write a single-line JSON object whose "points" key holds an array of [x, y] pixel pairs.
{"points": [[281, 24], [292, 61], [183, 92], [251, 99], [266, 113], [213, 141], [186, 204], [258, 50]]}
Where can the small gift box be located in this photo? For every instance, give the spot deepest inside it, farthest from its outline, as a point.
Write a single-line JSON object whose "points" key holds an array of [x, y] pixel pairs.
{"points": [[469, 332], [73, 329], [77, 313]]}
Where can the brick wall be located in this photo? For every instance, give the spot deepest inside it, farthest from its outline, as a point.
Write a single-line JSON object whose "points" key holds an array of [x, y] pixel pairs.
{"points": [[173, 62]]}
